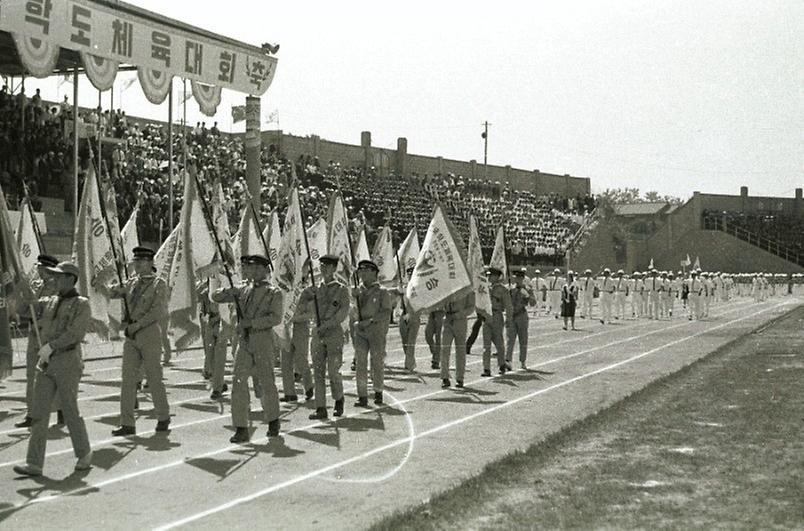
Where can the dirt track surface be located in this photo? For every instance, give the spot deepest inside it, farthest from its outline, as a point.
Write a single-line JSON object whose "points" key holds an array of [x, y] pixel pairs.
{"points": [[343, 474]]}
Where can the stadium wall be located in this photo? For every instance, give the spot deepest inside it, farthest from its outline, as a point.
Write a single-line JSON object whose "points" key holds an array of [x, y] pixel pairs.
{"points": [[400, 162]]}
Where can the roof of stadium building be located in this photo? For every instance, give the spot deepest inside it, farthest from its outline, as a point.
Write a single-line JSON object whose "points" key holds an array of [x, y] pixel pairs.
{"points": [[104, 36], [642, 209]]}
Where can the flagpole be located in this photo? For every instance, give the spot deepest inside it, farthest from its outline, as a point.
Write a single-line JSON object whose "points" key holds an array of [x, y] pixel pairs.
{"points": [[259, 229], [170, 158], [505, 255], [37, 232], [309, 262]]}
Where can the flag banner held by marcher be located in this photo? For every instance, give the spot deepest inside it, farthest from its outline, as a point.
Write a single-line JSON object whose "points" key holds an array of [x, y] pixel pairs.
{"points": [[317, 240], [408, 253], [384, 258], [338, 239], [27, 242], [498, 257], [362, 250], [480, 282]]}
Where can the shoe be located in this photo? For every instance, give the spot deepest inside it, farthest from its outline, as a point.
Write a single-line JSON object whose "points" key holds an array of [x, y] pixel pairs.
{"points": [[602, 321], [486, 374], [28, 470], [224, 388], [216, 395], [362, 401], [289, 398], [24, 423], [206, 375], [435, 365], [508, 366], [123, 431], [273, 427], [59, 418], [338, 408], [564, 327], [240, 436], [523, 366], [308, 394], [445, 383], [320, 414], [459, 383], [503, 369], [84, 463], [162, 425], [378, 397]]}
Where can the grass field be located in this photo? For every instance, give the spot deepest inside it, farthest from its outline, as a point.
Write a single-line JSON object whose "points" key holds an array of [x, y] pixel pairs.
{"points": [[718, 445]]}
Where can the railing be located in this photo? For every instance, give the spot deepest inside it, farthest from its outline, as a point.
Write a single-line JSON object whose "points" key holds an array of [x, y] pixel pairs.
{"points": [[720, 223]]}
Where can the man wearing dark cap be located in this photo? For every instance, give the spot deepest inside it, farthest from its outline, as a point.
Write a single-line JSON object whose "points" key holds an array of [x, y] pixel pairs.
{"points": [[260, 309], [146, 299], [375, 304], [493, 328], [554, 284], [521, 297], [333, 308], [409, 330], [42, 287], [587, 286], [64, 321]]}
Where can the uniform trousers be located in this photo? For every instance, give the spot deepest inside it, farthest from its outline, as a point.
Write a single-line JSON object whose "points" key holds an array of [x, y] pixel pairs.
{"points": [[409, 332], [432, 334], [369, 345], [143, 351], [518, 330], [605, 305], [453, 332], [493, 333], [328, 358], [587, 298], [296, 359], [256, 357], [619, 304]]}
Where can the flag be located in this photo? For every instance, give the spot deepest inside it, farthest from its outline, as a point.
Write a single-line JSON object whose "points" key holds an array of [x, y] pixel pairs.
{"points": [[238, 113], [126, 84], [338, 238], [362, 252], [272, 235], [480, 282], [214, 271], [498, 257], [93, 255], [383, 256], [289, 266], [441, 270], [27, 243], [130, 239], [317, 240], [247, 239], [163, 260], [697, 263], [273, 117], [408, 253], [687, 262], [650, 265], [15, 291]]}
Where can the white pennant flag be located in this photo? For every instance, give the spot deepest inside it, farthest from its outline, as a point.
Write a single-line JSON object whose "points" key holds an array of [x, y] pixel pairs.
{"points": [[247, 239], [441, 268], [384, 258], [480, 282], [317, 239], [273, 236], [338, 238], [163, 260], [498, 258], [362, 251], [130, 239], [289, 265], [408, 253], [27, 242]]}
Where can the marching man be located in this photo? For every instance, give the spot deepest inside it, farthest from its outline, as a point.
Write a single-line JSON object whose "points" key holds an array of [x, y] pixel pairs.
{"points": [[587, 285]]}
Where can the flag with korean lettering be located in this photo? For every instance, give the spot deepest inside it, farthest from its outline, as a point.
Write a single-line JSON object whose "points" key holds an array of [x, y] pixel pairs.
{"points": [[27, 242], [441, 271], [408, 253], [130, 239], [317, 240], [163, 260], [498, 257], [272, 234], [384, 258], [247, 240], [338, 238], [289, 265], [480, 282], [15, 291], [92, 254]]}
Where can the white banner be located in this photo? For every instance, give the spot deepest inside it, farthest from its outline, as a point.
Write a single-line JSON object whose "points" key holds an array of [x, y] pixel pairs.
{"points": [[384, 257], [498, 258], [26, 242], [480, 282], [408, 253], [317, 239]]}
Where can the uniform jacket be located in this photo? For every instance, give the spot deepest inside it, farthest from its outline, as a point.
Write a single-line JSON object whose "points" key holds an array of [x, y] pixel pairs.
{"points": [[333, 306], [260, 303], [147, 300], [63, 320]]}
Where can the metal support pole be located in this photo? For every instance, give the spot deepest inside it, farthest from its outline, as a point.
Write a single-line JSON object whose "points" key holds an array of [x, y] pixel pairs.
{"points": [[75, 143], [486, 150], [170, 157]]}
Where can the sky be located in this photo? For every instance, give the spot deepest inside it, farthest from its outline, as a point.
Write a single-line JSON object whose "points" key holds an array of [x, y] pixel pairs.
{"points": [[674, 96]]}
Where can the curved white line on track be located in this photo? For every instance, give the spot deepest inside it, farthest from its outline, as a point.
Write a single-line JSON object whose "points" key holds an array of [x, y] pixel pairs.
{"points": [[391, 473], [315, 473]]}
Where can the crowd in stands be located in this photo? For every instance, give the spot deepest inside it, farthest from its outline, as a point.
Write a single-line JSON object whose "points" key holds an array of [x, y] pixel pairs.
{"points": [[135, 160], [785, 230]]}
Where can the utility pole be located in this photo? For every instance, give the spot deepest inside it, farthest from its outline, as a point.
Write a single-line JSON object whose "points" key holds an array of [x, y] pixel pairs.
{"points": [[485, 136]]}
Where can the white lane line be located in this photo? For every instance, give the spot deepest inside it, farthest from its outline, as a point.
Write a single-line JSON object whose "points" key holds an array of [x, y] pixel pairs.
{"points": [[288, 483], [159, 468]]}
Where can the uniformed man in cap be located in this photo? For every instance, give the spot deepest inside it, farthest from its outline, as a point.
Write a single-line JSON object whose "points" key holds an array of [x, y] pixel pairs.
{"points": [[44, 286], [333, 308], [65, 318], [493, 327], [635, 287], [456, 312], [521, 297], [620, 294], [409, 330], [654, 287], [539, 289], [696, 291], [587, 286], [672, 290], [259, 311], [606, 286], [296, 359], [375, 305], [146, 300], [554, 285]]}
